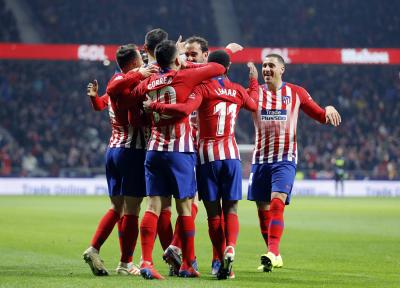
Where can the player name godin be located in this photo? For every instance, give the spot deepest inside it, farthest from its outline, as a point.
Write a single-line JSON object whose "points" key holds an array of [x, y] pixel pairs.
{"points": [[159, 81], [223, 91]]}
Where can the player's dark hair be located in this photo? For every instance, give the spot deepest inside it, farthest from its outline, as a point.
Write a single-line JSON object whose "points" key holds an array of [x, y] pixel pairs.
{"points": [[278, 57], [126, 54], [202, 42], [220, 57], [155, 37], [165, 53]]}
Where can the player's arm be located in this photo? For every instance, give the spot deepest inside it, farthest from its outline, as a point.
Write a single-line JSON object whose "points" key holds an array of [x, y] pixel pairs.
{"points": [[98, 103], [197, 75], [179, 110], [248, 102], [130, 97], [312, 109], [253, 81], [124, 81]]}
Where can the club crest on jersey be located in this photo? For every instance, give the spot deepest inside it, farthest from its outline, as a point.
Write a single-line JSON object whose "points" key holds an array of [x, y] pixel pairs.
{"points": [[286, 99], [273, 115]]}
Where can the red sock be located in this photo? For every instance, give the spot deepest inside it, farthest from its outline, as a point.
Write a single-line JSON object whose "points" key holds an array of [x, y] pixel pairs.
{"points": [[148, 232], [231, 229], [217, 237], [265, 218], [104, 228], [120, 232], [276, 226], [130, 232], [194, 211], [176, 240], [187, 235], [164, 228]]}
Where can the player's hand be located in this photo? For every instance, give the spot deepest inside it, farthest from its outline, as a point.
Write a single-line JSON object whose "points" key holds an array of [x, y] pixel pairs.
{"points": [[92, 88], [253, 73], [332, 116], [234, 47], [147, 103], [180, 45], [148, 71]]}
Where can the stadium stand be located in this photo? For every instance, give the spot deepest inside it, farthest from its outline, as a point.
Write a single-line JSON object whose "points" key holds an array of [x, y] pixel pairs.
{"points": [[107, 22], [48, 128], [8, 27], [313, 23]]}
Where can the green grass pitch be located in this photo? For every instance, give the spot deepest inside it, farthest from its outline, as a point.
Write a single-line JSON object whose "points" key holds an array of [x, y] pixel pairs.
{"points": [[327, 243]]}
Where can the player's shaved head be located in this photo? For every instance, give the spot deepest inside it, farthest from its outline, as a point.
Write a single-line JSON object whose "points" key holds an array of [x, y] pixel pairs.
{"points": [[126, 54], [166, 53], [220, 57], [202, 42], [154, 37], [277, 57]]}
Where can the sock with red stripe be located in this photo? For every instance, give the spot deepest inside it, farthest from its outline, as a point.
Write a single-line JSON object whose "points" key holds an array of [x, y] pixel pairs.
{"points": [[231, 229], [130, 232], [217, 237], [104, 228], [148, 232], [164, 228], [187, 230], [276, 225], [264, 216]]}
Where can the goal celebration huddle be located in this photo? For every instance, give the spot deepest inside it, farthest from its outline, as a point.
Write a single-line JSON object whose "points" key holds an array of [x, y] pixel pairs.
{"points": [[173, 121]]}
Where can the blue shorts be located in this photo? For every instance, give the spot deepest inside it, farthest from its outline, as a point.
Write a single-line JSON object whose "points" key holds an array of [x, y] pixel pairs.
{"points": [[271, 177], [221, 179], [125, 172], [170, 173]]}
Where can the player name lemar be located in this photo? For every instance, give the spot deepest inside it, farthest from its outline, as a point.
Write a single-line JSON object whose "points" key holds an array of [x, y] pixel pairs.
{"points": [[158, 82], [223, 91]]}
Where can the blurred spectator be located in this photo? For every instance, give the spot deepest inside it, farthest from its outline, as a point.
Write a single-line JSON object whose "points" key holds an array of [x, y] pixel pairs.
{"points": [[8, 27]]}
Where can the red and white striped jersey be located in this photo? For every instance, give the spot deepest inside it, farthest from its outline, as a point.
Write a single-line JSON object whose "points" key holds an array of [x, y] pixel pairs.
{"points": [[275, 122], [123, 134], [168, 133], [221, 102]]}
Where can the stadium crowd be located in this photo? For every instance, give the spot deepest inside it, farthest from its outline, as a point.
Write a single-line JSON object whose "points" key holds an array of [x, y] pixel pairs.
{"points": [[48, 128], [58, 133], [313, 23], [130, 20]]}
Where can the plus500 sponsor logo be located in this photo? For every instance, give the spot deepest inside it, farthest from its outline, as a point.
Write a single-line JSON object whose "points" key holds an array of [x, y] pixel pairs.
{"points": [[92, 52]]}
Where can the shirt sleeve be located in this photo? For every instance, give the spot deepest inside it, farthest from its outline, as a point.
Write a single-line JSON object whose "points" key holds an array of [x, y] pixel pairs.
{"points": [[128, 97], [120, 83], [249, 103], [311, 108], [100, 103], [197, 75], [181, 109]]}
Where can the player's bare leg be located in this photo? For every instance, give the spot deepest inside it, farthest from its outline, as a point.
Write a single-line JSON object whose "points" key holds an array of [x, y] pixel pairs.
{"points": [[104, 229], [148, 231], [129, 234], [187, 231]]}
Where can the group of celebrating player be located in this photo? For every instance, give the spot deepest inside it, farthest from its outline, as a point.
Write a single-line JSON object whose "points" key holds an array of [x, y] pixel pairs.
{"points": [[173, 124]]}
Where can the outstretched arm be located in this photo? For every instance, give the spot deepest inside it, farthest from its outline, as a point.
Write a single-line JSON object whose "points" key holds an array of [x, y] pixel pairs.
{"points": [[98, 103], [179, 110], [312, 109], [124, 81]]}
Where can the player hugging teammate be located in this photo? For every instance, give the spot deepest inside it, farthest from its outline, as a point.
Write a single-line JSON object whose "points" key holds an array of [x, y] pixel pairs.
{"points": [[163, 96]]}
